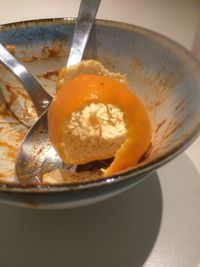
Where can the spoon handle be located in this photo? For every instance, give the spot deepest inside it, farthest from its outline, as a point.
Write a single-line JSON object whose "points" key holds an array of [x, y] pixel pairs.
{"points": [[83, 27], [39, 96]]}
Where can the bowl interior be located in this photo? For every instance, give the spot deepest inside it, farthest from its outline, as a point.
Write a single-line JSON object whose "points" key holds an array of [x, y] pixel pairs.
{"points": [[161, 72]]}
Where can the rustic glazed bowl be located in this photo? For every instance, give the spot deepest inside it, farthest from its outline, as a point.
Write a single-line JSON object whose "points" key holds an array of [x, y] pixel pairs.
{"points": [[160, 71]]}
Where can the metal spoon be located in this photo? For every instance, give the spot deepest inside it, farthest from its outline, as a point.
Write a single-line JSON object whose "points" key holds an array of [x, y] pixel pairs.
{"points": [[36, 156]]}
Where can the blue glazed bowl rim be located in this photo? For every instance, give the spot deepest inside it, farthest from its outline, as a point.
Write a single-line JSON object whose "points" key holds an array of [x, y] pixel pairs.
{"points": [[141, 170]]}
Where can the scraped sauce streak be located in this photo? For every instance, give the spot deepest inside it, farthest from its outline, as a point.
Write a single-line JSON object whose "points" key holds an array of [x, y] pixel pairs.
{"points": [[11, 134]]}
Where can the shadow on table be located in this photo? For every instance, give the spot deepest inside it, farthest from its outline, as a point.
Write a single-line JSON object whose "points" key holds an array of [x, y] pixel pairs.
{"points": [[120, 231]]}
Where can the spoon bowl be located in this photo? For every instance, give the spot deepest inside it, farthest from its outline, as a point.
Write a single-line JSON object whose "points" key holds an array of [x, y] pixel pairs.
{"points": [[36, 156]]}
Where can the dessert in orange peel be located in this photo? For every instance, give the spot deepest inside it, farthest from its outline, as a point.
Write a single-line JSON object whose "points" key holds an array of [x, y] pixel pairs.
{"points": [[95, 117]]}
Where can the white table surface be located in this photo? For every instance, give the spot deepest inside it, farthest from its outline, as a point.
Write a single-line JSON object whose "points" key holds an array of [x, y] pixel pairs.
{"points": [[156, 223]]}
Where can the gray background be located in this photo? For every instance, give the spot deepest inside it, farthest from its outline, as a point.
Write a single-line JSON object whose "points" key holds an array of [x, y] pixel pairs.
{"points": [[156, 223]]}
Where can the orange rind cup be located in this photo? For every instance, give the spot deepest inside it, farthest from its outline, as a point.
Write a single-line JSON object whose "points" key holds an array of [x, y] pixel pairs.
{"points": [[85, 89]]}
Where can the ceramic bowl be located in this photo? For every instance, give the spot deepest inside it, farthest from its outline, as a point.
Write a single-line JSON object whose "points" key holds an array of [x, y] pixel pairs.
{"points": [[161, 72]]}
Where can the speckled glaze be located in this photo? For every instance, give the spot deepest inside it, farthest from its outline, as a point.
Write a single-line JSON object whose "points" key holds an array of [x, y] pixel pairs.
{"points": [[160, 71]]}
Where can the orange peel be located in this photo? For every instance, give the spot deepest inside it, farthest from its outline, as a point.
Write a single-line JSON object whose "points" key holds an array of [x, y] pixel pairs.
{"points": [[85, 89]]}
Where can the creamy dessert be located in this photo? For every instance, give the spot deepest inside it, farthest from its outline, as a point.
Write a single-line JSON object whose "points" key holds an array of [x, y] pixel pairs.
{"points": [[93, 133]]}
